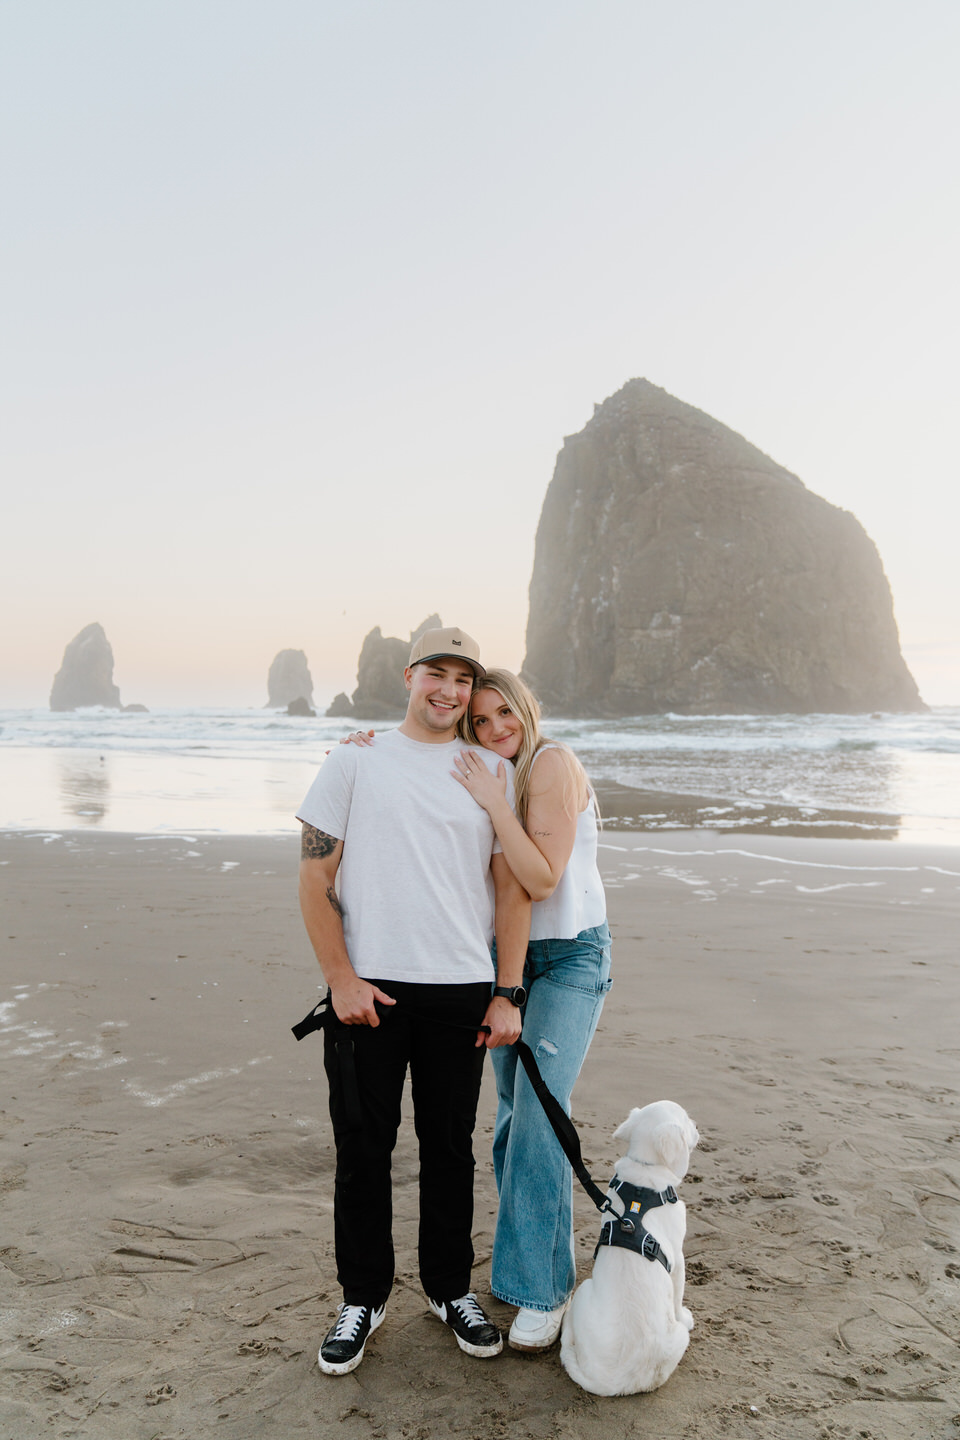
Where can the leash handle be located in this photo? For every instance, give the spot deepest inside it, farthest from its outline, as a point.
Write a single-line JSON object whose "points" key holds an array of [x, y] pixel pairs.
{"points": [[314, 1021], [317, 1021]]}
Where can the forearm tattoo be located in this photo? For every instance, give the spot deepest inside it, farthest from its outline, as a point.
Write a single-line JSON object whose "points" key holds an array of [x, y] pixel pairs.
{"points": [[315, 845], [334, 902]]}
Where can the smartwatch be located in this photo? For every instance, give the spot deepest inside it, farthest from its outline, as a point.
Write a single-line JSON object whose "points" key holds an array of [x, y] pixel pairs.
{"points": [[514, 993]]}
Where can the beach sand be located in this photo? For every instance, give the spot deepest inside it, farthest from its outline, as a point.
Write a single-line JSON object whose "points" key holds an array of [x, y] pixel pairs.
{"points": [[166, 1164]]}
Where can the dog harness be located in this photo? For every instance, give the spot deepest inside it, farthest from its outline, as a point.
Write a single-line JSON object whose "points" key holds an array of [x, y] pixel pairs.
{"points": [[627, 1230]]}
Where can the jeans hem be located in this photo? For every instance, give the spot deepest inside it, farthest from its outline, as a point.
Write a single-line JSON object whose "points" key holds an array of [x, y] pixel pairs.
{"points": [[525, 1304]]}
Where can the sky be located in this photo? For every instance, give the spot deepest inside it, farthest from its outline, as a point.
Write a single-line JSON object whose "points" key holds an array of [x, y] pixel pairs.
{"points": [[300, 297]]}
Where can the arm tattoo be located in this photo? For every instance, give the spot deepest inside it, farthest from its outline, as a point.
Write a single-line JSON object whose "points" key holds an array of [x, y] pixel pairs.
{"points": [[334, 902], [315, 844]]}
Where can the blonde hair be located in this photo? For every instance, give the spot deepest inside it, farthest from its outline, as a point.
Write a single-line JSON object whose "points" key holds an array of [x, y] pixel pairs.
{"points": [[526, 707]]}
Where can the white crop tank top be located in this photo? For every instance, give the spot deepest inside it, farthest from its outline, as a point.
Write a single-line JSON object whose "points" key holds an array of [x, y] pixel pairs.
{"points": [[578, 903]]}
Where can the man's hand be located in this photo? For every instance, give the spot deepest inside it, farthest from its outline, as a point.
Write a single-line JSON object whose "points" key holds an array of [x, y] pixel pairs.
{"points": [[504, 1020], [353, 1002]]}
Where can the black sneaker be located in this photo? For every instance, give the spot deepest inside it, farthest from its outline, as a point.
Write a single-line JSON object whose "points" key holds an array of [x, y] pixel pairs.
{"points": [[342, 1350], [475, 1333]]}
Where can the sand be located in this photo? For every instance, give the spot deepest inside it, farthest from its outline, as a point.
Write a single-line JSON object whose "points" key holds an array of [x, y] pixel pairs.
{"points": [[166, 1162]]}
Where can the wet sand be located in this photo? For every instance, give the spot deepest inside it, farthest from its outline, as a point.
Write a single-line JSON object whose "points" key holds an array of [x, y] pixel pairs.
{"points": [[166, 1161]]}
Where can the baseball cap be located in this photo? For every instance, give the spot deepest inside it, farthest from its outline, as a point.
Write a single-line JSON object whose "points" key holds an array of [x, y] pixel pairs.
{"points": [[452, 641]]}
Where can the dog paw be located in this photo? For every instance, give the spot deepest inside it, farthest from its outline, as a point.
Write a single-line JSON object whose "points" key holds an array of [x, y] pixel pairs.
{"points": [[686, 1319]]}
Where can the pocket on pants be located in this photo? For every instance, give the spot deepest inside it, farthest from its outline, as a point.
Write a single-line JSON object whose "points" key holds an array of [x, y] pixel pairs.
{"points": [[582, 963]]}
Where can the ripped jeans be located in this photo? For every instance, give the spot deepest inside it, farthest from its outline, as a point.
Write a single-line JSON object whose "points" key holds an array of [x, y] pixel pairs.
{"points": [[566, 981]]}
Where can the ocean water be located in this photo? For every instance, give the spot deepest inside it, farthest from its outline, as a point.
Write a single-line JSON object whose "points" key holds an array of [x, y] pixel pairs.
{"points": [[244, 771]]}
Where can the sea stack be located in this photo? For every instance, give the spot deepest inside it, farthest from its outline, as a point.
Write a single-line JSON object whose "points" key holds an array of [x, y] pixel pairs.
{"points": [[381, 693], [289, 679], [678, 568], [86, 675]]}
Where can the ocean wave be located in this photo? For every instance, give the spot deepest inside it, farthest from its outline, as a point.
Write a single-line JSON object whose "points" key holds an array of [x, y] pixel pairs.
{"points": [[905, 764]]}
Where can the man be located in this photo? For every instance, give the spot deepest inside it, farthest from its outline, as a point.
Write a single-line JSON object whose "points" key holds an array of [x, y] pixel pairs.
{"points": [[405, 951]]}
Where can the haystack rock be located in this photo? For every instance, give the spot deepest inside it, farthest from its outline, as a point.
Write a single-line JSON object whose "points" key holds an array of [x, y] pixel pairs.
{"points": [[86, 675], [678, 568], [288, 679], [381, 693]]}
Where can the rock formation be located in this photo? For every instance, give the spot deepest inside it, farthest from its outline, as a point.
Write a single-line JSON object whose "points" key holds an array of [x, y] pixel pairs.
{"points": [[678, 568], [381, 693], [288, 679], [86, 675], [300, 707]]}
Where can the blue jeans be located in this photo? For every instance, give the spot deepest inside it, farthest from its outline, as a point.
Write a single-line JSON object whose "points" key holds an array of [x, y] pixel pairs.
{"points": [[566, 981]]}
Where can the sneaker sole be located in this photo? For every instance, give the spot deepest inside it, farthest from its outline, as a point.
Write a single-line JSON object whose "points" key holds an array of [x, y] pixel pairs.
{"points": [[479, 1352], [345, 1366], [532, 1347]]}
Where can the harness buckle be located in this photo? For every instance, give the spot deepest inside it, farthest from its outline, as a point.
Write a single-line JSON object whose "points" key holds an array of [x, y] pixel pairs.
{"points": [[649, 1247]]}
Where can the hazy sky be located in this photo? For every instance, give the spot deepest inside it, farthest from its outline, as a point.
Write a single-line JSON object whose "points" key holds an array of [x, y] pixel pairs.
{"points": [[301, 296]]}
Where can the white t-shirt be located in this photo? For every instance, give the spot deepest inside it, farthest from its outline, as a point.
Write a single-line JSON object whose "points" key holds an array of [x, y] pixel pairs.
{"points": [[414, 880]]}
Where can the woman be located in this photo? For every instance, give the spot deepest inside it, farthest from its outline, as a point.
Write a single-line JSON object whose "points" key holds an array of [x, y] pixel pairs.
{"points": [[551, 847]]}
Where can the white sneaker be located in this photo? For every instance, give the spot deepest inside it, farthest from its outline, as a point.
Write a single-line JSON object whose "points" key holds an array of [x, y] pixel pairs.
{"points": [[536, 1329]]}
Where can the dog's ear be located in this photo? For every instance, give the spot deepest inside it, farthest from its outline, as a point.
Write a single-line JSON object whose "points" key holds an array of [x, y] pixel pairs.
{"points": [[627, 1125], [671, 1145]]}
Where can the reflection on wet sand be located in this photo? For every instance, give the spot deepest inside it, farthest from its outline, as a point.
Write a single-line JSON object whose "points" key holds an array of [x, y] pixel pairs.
{"points": [[85, 786], [624, 808]]}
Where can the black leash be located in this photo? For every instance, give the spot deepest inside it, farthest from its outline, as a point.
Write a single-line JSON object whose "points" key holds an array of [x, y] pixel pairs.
{"points": [[618, 1229], [625, 1229], [323, 1017], [562, 1126], [313, 1021]]}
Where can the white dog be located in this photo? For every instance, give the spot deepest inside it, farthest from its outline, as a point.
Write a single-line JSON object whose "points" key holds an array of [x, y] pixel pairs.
{"points": [[627, 1328]]}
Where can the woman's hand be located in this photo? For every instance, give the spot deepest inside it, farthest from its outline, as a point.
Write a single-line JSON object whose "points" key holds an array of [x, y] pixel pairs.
{"points": [[358, 737], [488, 790]]}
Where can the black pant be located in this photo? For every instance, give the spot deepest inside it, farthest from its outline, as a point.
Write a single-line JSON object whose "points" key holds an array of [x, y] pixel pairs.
{"points": [[433, 1029]]}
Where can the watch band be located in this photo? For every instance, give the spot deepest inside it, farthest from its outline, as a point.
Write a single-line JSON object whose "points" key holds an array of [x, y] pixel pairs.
{"points": [[516, 994]]}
